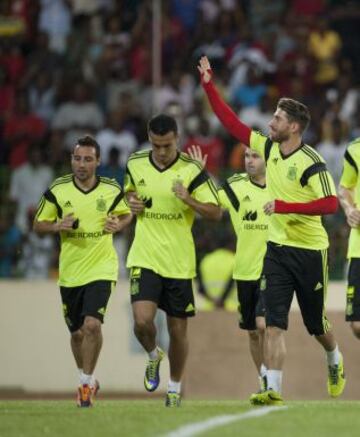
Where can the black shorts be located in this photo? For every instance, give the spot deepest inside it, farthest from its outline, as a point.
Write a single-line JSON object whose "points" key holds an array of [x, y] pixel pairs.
{"points": [[87, 300], [353, 291], [251, 303], [174, 296], [288, 269]]}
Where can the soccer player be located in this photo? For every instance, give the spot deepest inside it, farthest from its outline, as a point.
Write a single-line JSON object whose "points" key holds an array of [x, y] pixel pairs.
{"points": [[349, 195], [165, 188], [296, 258], [244, 195], [86, 210]]}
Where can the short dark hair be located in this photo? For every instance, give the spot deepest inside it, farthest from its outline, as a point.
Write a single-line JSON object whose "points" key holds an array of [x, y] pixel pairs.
{"points": [[162, 124], [89, 141], [296, 111]]}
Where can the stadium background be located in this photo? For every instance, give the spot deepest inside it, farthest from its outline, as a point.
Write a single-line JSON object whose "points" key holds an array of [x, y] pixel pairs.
{"points": [[70, 67]]}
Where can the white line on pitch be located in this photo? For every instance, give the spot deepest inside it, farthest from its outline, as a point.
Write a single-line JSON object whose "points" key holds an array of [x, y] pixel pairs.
{"points": [[198, 427]]}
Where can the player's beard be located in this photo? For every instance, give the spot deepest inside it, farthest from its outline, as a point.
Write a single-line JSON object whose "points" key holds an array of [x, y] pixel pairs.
{"points": [[279, 137]]}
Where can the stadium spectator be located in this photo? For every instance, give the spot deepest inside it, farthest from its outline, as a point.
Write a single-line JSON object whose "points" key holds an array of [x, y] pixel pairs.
{"points": [[291, 242], [324, 46], [115, 136], [10, 244], [113, 169], [211, 145], [164, 189], [86, 211], [21, 129], [55, 21], [333, 150], [28, 183], [78, 116]]}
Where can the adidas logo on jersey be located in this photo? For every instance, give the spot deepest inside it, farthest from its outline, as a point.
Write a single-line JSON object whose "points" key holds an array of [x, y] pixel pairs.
{"points": [[141, 183], [318, 286], [246, 199], [68, 204], [275, 160]]}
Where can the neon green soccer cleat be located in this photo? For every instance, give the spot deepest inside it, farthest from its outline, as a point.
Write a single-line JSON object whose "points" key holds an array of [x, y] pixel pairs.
{"points": [[336, 379], [267, 397], [152, 376], [172, 399]]}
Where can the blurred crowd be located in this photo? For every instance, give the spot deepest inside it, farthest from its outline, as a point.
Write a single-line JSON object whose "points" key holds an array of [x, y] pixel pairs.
{"points": [[71, 67]]}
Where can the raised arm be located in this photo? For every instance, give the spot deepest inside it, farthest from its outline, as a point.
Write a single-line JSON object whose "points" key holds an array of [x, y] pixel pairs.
{"points": [[224, 113]]}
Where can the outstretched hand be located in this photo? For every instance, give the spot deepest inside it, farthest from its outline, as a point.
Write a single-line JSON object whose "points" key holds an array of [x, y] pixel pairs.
{"points": [[196, 153], [204, 68]]}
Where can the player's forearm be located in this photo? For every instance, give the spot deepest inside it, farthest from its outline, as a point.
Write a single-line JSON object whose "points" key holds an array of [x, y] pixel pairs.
{"points": [[323, 206], [206, 210], [226, 115], [124, 221], [45, 227], [346, 198]]}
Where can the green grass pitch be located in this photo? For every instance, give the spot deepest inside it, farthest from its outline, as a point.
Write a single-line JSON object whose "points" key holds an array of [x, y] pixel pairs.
{"points": [[150, 418]]}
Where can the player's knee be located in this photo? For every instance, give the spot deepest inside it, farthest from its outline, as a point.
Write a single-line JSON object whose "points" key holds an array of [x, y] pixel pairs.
{"points": [[274, 331], [77, 336], [355, 326], [260, 325], [253, 335], [91, 326], [142, 325], [177, 331]]}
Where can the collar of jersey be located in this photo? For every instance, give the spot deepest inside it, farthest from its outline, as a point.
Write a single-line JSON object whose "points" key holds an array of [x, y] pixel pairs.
{"points": [[290, 154], [257, 185], [91, 189], [165, 168]]}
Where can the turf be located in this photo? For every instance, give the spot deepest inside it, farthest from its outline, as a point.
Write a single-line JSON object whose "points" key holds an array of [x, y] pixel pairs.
{"points": [[151, 418]]}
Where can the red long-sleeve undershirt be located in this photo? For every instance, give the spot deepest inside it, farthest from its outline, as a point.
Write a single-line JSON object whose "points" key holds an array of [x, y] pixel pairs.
{"points": [[226, 115], [325, 205]]}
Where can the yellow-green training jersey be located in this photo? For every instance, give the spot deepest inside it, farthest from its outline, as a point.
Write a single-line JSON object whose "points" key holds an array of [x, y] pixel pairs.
{"points": [[87, 253], [244, 199], [350, 180], [299, 177], [163, 240]]}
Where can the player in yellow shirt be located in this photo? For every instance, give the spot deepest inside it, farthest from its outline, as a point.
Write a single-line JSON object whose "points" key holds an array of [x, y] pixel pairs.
{"points": [[296, 258], [244, 196], [165, 188], [86, 210], [349, 195]]}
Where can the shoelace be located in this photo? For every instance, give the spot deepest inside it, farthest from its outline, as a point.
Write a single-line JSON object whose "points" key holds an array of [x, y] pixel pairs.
{"points": [[151, 369], [172, 399], [333, 374]]}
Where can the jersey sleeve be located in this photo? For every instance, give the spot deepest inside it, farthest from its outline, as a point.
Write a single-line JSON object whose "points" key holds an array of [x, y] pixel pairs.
{"points": [[46, 210], [350, 172], [258, 143], [322, 183], [223, 199], [129, 184], [119, 205], [203, 189]]}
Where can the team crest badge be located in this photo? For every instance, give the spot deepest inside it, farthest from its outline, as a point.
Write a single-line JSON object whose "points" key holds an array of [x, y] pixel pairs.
{"points": [[291, 174], [101, 204]]}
